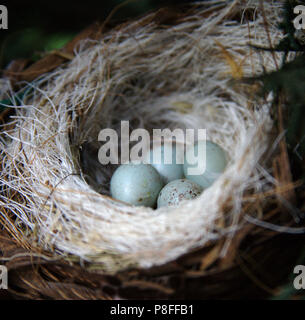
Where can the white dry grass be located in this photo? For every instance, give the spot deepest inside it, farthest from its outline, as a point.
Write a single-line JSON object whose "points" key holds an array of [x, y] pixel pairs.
{"points": [[139, 73]]}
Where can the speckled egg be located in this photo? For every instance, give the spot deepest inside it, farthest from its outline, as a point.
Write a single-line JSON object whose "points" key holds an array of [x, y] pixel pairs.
{"points": [[216, 161], [167, 165], [178, 190], [136, 184]]}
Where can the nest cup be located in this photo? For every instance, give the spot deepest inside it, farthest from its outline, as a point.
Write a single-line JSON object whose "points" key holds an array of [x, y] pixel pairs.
{"points": [[154, 76]]}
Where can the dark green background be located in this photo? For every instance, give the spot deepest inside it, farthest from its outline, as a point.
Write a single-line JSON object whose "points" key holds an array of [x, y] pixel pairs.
{"points": [[35, 27]]}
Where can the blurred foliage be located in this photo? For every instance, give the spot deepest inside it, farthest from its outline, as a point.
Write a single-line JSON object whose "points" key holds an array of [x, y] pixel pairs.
{"points": [[289, 82], [36, 27], [31, 43]]}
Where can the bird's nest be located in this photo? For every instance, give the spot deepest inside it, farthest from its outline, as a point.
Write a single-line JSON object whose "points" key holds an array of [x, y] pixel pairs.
{"points": [[184, 74]]}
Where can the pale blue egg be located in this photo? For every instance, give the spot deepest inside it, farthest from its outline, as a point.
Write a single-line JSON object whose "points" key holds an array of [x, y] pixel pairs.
{"points": [[136, 184], [178, 190], [216, 161], [166, 164]]}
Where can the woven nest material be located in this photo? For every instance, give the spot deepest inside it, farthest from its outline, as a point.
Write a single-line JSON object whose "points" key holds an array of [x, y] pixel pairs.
{"points": [[182, 73]]}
